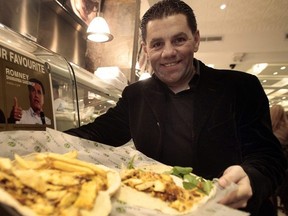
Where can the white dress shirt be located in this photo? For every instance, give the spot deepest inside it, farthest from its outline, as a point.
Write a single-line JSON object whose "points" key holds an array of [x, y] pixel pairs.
{"points": [[30, 117]]}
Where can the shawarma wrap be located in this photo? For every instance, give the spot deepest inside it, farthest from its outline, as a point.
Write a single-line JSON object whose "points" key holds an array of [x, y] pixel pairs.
{"points": [[154, 187]]}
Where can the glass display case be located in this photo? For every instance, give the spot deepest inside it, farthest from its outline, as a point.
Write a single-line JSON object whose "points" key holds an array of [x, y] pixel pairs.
{"points": [[77, 95]]}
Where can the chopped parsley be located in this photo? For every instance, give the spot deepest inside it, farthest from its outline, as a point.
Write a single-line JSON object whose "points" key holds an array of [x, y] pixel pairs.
{"points": [[191, 181]]}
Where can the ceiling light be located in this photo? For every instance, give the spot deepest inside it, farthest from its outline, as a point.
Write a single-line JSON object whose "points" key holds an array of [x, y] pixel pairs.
{"points": [[223, 6], [275, 73], [283, 68], [98, 29], [268, 91], [283, 82], [278, 93], [257, 68], [111, 102]]}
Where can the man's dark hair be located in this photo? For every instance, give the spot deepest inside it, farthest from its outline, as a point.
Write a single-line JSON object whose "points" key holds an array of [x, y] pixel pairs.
{"points": [[33, 80], [166, 8]]}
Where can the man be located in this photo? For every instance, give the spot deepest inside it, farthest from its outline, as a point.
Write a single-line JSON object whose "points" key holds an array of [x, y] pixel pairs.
{"points": [[187, 114], [35, 114]]}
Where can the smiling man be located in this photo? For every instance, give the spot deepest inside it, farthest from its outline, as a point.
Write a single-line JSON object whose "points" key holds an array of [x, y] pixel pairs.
{"points": [[35, 114], [188, 114], [171, 52]]}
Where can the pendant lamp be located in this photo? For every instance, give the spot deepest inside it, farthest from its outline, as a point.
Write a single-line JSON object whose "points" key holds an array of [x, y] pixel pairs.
{"points": [[98, 29]]}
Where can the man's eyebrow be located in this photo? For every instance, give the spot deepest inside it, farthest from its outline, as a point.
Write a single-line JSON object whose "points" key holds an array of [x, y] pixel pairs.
{"points": [[155, 40], [180, 34], [174, 36]]}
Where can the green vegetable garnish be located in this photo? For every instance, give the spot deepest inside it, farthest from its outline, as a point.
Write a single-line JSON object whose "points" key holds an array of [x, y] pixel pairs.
{"points": [[181, 171], [191, 181], [130, 164], [188, 185], [207, 186]]}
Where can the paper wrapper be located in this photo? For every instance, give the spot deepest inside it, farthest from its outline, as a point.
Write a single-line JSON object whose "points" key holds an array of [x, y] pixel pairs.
{"points": [[27, 142]]}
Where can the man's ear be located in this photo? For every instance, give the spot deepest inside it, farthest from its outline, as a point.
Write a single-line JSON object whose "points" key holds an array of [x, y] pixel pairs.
{"points": [[196, 40], [144, 47]]}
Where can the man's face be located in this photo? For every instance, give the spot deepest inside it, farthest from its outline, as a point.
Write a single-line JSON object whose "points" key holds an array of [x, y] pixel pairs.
{"points": [[36, 97], [170, 47]]}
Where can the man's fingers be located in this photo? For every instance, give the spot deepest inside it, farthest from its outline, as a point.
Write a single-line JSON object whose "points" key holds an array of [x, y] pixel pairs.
{"points": [[223, 182], [15, 102], [236, 199], [229, 198], [231, 174], [17, 111], [239, 197]]}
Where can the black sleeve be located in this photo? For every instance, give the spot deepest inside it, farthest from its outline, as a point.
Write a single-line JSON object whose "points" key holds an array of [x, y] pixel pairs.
{"points": [[111, 128], [263, 158]]}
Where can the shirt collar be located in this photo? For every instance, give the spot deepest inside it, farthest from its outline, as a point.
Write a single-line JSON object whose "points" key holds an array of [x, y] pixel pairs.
{"points": [[32, 112], [193, 82]]}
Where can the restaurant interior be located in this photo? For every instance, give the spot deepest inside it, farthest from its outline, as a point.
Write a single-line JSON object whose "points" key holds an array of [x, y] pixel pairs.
{"points": [[91, 70]]}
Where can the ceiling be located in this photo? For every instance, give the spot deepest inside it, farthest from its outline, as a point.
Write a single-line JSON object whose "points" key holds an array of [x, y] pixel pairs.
{"points": [[246, 33]]}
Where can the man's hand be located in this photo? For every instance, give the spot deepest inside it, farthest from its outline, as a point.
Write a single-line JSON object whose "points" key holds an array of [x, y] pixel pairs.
{"points": [[16, 112], [238, 198]]}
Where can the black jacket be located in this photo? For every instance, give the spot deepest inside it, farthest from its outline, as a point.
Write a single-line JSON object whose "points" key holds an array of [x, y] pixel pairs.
{"points": [[231, 125]]}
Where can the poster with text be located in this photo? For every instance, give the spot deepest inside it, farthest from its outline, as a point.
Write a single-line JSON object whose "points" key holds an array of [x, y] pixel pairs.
{"points": [[26, 92], [2, 107]]}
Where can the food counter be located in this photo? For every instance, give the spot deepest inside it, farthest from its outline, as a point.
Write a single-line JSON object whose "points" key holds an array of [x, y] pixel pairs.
{"points": [[24, 142], [74, 96]]}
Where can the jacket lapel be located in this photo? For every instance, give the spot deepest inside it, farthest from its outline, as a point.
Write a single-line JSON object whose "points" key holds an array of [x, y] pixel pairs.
{"points": [[156, 98], [207, 95]]}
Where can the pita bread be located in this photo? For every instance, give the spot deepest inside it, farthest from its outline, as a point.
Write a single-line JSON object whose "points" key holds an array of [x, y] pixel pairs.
{"points": [[134, 197]]}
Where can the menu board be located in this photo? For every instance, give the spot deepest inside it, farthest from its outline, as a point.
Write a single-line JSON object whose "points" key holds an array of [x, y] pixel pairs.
{"points": [[25, 92]]}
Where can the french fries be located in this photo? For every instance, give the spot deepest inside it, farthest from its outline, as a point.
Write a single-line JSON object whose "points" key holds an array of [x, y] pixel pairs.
{"points": [[77, 164], [29, 164], [53, 184]]}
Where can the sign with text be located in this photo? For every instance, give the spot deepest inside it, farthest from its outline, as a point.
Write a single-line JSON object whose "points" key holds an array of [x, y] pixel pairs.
{"points": [[26, 100]]}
